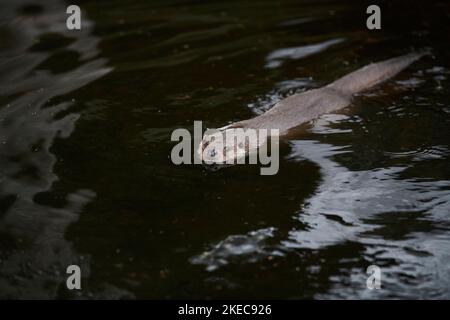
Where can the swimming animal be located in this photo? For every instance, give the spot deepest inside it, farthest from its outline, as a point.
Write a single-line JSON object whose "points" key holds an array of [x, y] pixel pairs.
{"points": [[299, 109]]}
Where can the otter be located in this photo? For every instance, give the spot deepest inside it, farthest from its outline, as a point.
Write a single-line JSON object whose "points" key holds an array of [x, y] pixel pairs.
{"points": [[298, 109]]}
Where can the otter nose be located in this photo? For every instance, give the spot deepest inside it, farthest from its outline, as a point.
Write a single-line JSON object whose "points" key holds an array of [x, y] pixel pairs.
{"points": [[213, 153]]}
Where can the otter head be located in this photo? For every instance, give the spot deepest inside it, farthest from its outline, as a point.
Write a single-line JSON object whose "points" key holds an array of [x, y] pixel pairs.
{"points": [[228, 146]]}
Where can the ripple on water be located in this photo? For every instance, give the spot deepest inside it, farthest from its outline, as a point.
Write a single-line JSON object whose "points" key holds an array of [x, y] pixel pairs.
{"points": [[282, 90], [383, 211], [35, 268], [277, 57], [247, 248]]}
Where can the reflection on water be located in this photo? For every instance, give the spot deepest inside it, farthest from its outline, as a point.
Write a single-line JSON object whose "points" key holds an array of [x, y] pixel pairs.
{"points": [[250, 247], [35, 253], [85, 178], [276, 58], [369, 206]]}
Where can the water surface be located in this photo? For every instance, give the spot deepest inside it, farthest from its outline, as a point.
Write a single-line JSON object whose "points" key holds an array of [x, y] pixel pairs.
{"points": [[86, 176]]}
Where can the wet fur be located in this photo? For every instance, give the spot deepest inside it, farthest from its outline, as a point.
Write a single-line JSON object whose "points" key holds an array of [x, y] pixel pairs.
{"points": [[301, 108], [291, 114]]}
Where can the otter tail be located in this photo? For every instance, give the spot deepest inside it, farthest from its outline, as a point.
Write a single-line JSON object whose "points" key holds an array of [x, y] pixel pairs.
{"points": [[374, 73]]}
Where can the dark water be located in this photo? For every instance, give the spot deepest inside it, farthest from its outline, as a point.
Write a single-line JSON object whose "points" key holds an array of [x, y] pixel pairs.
{"points": [[86, 176]]}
